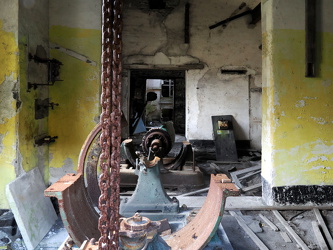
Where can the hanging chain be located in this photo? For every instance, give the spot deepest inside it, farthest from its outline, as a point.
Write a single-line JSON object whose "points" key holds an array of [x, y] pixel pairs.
{"points": [[110, 120], [116, 119]]}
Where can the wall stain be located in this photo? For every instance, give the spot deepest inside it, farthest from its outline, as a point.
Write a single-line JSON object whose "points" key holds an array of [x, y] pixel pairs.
{"points": [[78, 95]]}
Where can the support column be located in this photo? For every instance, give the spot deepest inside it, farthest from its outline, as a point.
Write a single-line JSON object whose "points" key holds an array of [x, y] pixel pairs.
{"points": [[297, 139], [9, 72]]}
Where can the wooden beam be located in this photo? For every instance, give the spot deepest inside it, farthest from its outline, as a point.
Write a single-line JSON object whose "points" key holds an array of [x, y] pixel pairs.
{"points": [[285, 237], [247, 203], [323, 227], [319, 236], [268, 222], [250, 233], [299, 241]]}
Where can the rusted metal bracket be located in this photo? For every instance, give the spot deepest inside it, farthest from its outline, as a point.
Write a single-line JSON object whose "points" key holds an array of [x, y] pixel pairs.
{"points": [[76, 209], [202, 228]]}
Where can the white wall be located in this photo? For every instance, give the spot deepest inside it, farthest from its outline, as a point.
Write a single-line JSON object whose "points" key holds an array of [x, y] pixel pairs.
{"points": [[155, 38]]}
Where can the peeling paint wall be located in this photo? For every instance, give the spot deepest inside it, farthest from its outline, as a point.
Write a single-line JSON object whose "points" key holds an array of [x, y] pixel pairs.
{"points": [[156, 39], [9, 71], [297, 111], [153, 38], [75, 40], [33, 40], [22, 28]]}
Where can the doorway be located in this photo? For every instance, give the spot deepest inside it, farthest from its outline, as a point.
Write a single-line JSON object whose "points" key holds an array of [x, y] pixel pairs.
{"points": [[156, 97]]}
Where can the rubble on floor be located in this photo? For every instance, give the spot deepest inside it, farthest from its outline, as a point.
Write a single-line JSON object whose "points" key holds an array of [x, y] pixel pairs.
{"points": [[248, 224]]}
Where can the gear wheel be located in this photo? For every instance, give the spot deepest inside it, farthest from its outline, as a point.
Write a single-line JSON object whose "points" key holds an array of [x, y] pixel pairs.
{"points": [[154, 135]]}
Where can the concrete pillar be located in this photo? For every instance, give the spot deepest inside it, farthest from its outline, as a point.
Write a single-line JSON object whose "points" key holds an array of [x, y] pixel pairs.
{"points": [[297, 138], [23, 29], [9, 71]]}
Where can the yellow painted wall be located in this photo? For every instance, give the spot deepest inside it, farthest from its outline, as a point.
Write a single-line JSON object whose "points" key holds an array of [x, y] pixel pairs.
{"points": [[298, 111], [28, 126], [77, 95], [8, 119]]}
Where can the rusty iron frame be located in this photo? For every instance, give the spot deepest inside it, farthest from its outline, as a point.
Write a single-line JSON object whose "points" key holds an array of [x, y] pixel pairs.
{"points": [[81, 219], [88, 164], [202, 228], [78, 214]]}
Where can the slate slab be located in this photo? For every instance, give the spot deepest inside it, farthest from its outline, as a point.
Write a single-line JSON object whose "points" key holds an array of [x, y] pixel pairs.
{"points": [[34, 213]]}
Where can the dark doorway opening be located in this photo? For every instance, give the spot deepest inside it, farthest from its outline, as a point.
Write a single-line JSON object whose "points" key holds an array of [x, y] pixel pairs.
{"points": [[168, 87]]}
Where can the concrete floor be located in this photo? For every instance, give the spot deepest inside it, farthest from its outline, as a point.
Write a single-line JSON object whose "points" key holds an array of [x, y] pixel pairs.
{"points": [[300, 220]]}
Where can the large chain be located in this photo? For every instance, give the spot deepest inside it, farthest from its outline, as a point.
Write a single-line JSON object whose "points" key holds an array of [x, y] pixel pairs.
{"points": [[110, 120]]}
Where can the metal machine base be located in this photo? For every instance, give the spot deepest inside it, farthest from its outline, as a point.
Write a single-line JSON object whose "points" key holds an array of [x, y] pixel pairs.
{"points": [[149, 198]]}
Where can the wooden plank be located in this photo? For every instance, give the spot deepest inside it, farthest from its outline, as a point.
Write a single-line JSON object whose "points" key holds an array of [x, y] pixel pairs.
{"points": [[225, 162], [235, 180], [286, 237], [246, 170], [194, 192], [299, 241], [323, 227], [249, 175], [246, 203], [268, 222], [252, 235], [258, 185], [319, 236]]}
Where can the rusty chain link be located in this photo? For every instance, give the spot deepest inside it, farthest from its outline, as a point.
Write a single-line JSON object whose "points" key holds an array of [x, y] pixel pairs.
{"points": [[110, 120]]}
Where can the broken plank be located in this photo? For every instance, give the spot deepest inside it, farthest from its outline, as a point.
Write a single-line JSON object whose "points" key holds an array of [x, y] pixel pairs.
{"points": [[323, 227], [299, 241], [246, 170], [253, 203], [249, 174], [258, 185], [319, 236], [268, 222], [225, 162], [235, 180], [252, 235], [286, 237], [257, 203], [194, 192]]}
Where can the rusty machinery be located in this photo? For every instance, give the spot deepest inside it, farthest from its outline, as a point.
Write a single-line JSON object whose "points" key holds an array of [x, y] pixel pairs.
{"points": [[78, 194], [96, 223]]}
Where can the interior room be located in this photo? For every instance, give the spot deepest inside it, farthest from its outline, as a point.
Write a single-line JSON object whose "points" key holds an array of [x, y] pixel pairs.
{"points": [[166, 124]]}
